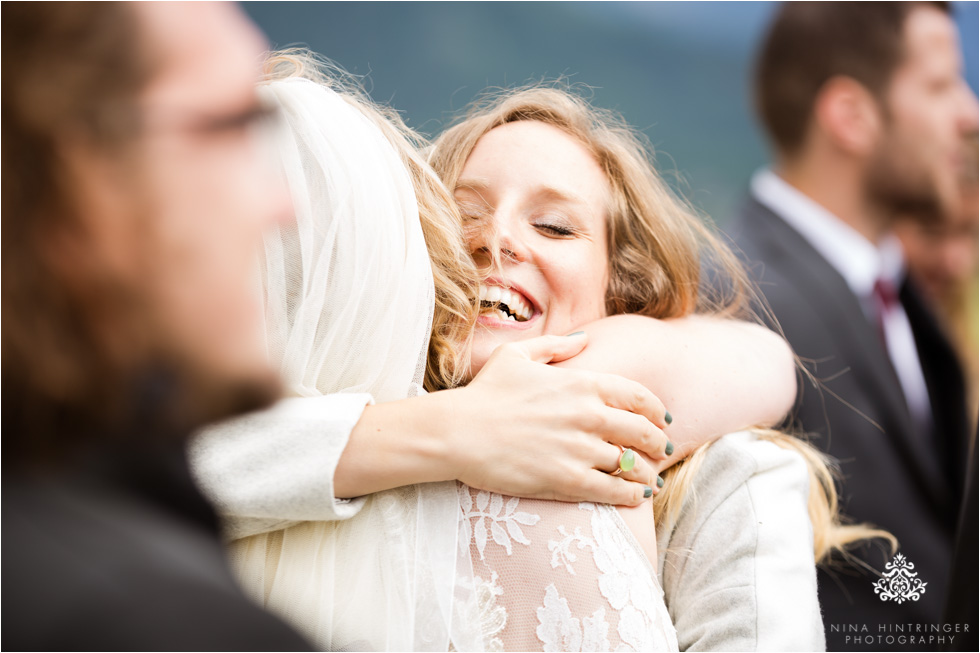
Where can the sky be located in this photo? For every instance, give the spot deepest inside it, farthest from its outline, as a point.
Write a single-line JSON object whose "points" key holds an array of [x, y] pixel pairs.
{"points": [[678, 71]]}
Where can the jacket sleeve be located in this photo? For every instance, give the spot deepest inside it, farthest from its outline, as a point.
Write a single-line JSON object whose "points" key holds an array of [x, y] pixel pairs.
{"points": [[738, 568], [268, 470]]}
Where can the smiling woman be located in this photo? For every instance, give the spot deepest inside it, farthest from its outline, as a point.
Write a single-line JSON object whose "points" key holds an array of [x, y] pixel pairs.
{"points": [[530, 194], [565, 213]]}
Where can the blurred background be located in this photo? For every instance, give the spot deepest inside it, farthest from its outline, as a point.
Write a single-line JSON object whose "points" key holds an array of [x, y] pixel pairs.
{"points": [[679, 71]]}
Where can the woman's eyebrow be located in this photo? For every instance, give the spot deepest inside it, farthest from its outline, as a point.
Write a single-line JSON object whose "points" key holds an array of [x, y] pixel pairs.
{"points": [[556, 194], [477, 185]]}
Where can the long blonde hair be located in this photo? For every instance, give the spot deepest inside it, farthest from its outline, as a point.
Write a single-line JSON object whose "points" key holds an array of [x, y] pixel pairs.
{"points": [[456, 278], [657, 250]]}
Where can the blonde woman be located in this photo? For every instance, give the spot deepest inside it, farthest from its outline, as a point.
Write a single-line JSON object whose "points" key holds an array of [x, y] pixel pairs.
{"points": [[347, 307], [564, 209]]}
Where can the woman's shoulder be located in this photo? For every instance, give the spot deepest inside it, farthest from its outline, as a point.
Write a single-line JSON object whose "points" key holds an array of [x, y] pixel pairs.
{"points": [[739, 458], [740, 475], [741, 549], [751, 453]]}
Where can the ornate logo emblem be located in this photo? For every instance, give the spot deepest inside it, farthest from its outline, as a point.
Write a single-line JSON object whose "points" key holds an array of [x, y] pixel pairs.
{"points": [[899, 583]]}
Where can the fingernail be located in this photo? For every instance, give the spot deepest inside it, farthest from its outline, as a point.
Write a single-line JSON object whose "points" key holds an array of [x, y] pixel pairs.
{"points": [[660, 481], [668, 418], [669, 449], [581, 333], [647, 491]]}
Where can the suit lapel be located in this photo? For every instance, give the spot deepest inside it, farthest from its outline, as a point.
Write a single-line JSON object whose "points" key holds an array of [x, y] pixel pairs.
{"points": [[817, 281]]}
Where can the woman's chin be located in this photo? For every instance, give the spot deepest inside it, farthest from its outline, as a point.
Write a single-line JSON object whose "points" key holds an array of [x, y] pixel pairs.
{"points": [[490, 333]]}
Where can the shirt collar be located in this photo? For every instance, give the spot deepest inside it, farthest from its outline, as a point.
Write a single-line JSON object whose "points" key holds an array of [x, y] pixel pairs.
{"points": [[858, 260]]}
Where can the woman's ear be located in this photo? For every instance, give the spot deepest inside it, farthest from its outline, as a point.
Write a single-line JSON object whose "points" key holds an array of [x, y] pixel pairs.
{"points": [[848, 115]]}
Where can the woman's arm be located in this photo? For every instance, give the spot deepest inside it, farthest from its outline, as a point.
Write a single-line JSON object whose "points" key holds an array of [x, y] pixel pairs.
{"points": [[270, 469], [715, 376], [521, 428]]}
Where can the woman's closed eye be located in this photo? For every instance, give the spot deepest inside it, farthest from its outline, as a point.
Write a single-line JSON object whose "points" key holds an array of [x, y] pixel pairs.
{"points": [[555, 227], [471, 211]]}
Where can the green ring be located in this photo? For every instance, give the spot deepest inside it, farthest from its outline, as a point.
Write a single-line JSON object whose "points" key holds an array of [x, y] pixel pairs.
{"points": [[627, 460]]}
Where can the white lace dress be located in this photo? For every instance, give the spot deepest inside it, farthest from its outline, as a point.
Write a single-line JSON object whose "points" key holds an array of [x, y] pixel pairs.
{"points": [[560, 577]]}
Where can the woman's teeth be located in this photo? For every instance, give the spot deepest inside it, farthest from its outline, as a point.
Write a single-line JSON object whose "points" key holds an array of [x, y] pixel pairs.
{"points": [[505, 303]]}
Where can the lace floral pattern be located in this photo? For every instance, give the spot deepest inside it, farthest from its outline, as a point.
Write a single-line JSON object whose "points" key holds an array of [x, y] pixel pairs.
{"points": [[563, 577], [488, 508], [491, 617], [558, 630]]}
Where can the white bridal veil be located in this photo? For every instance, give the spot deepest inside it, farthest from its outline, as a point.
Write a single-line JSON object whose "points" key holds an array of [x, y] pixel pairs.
{"points": [[349, 302]]}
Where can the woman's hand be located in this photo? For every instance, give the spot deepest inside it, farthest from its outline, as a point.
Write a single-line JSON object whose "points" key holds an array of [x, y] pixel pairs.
{"points": [[521, 427], [531, 430]]}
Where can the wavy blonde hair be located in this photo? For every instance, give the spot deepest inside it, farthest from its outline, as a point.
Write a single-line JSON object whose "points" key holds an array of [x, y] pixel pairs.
{"points": [[456, 278], [657, 250]]}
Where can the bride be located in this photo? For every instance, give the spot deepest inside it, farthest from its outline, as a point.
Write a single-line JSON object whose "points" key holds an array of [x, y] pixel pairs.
{"points": [[349, 296]]}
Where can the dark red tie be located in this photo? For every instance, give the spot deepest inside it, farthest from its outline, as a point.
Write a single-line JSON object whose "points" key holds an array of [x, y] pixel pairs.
{"points": [[885, 297]]}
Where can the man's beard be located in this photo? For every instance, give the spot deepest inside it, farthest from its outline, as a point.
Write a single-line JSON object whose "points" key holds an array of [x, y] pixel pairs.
{"points": [[188, 397], [900, 187], [165, 381]]}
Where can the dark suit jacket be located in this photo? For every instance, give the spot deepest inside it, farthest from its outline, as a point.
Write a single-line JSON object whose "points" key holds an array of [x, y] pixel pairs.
{"points": [[961, 599], [121, 552], [895, 477]]}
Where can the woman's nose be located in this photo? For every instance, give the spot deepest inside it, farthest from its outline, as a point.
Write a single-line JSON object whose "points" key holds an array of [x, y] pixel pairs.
{"points": [[508, 241], [498, 236]]}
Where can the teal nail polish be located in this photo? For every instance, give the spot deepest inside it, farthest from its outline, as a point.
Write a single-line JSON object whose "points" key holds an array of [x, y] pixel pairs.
{"points": [[668, 418], [647, 491], [660, 482], [669, 449], [581, 333]]}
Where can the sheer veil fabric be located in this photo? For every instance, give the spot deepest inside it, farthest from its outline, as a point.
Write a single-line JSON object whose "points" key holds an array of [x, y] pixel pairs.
{"points": [[349, 302]]}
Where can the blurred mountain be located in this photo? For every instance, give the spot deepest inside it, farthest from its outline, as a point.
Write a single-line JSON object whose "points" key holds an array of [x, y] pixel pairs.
{"points": [[676, 70]]}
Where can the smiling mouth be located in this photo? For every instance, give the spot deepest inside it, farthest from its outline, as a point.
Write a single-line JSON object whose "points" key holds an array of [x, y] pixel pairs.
{"points": [[504, 303]]}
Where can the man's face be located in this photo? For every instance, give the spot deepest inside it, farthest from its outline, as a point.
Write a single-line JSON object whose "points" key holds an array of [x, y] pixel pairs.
{"points": [[928, 109], [942, 254], [206, 186]]}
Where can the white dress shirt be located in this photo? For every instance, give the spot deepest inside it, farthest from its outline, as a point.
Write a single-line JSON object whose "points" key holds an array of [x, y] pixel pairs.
{"points": [[861, 263]]}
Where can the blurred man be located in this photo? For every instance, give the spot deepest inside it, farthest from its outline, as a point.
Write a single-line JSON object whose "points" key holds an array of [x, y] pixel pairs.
{"points": [[942, 258], [866, 109], [942, 253], [134, 196]]}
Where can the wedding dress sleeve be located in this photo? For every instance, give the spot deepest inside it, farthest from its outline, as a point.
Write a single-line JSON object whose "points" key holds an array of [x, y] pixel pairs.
{"points": [[737, 566], [557, 576], [271, 469]]}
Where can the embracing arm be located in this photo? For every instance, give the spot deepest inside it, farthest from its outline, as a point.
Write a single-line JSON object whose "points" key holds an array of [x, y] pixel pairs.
{"points": [[521, 428], [715, 376], [272, 468]]}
